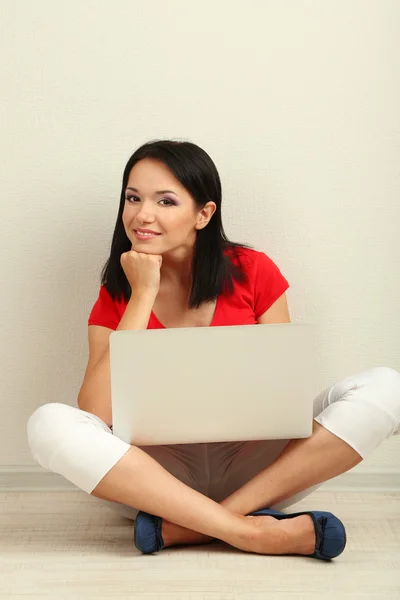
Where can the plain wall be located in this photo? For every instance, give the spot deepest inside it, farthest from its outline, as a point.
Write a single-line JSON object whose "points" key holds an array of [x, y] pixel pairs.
{"points": [[295, 101]]}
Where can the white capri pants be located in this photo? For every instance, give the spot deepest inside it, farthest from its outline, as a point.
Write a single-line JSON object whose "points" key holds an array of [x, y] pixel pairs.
{"points": [[363, 410]]}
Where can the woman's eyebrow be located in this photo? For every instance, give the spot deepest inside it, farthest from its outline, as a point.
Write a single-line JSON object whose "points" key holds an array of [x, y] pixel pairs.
{"points": [[159, 192]]}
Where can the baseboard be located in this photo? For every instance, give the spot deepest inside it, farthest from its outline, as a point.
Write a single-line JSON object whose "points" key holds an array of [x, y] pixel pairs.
{"points": [[23, 478], [364, 481]]}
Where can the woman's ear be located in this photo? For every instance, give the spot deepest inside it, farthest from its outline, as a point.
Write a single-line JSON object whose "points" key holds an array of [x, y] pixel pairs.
{"points": [[205, 214]]}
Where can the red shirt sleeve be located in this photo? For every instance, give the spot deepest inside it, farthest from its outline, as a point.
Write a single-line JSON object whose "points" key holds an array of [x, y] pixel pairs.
{"points": [[269, 284], [104, 311]]}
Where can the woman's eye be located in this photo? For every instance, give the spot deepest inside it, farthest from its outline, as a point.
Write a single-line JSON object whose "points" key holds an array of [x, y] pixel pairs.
{"points": [[132, 199]]}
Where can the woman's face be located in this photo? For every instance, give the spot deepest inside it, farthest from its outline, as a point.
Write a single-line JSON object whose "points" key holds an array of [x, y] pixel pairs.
{"points": [[156, 200]]}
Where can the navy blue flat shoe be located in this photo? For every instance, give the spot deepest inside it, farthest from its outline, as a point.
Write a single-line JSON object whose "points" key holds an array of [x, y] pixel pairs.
{"points": [[330, 534], [148, 538]]}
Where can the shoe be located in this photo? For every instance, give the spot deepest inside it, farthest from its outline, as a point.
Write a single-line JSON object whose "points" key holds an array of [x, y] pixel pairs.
{"points": [[148, 538], [330, 534]]}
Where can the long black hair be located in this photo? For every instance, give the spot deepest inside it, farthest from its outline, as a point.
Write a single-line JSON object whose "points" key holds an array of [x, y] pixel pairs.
{"points": [[212, 270]]}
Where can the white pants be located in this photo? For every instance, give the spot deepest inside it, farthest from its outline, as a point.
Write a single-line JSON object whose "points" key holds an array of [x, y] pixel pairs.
{"points": [[363, 410]]}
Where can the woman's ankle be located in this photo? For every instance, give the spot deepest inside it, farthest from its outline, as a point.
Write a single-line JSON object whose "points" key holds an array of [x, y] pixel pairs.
{"points": [[242, 534], [174, 535]]}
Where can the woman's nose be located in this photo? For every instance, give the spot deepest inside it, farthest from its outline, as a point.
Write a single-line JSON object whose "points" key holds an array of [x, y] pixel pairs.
{"points": [[145, 213]]}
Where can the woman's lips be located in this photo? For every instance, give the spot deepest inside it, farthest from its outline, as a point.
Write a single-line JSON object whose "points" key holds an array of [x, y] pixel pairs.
{"points": [[145, 236]]}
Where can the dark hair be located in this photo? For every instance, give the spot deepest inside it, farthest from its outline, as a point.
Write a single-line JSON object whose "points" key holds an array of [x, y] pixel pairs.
{"points": [[212, 270]]}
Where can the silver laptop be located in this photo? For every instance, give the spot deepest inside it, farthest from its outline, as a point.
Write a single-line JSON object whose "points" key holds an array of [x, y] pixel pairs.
{"points": [[213, 384]]}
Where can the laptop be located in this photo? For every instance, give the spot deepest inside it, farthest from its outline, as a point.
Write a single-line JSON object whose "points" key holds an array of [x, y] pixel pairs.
{"points": [[213, 384]]}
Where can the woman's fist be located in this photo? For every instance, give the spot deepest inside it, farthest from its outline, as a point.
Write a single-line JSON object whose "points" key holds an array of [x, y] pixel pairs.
{"points": [[142, 271]]}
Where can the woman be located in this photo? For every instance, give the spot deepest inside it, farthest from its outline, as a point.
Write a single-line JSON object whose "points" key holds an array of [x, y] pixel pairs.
{"points": [[171, 265]]}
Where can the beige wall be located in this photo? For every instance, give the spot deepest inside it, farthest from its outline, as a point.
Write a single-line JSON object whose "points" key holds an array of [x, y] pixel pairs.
{"points": [[297, 103]]}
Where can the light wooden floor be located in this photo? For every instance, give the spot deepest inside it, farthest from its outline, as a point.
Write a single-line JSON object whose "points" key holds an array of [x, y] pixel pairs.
{"points": [[60, 545]]}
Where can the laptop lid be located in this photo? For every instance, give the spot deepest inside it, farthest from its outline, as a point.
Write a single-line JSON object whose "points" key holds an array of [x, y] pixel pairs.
{"points": [[213, 384]]}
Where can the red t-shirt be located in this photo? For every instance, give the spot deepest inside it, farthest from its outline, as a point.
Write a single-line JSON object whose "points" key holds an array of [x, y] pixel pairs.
{"points": [[248, 302]]}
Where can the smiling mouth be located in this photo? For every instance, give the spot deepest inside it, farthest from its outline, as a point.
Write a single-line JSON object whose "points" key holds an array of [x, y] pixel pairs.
{"points": [[143, 234]]}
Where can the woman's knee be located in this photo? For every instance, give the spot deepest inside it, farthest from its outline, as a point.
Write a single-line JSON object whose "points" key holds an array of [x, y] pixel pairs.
{"points": [[384, 388], [49, 426], [364, 409], [379, 385], [73, 443]]}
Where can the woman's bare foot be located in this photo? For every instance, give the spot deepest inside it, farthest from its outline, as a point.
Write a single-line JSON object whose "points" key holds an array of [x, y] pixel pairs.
{"points": [[267, 535]]}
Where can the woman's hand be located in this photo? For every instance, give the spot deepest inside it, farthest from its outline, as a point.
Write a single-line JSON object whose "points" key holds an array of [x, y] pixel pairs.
{"points": [[142, 271]]}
